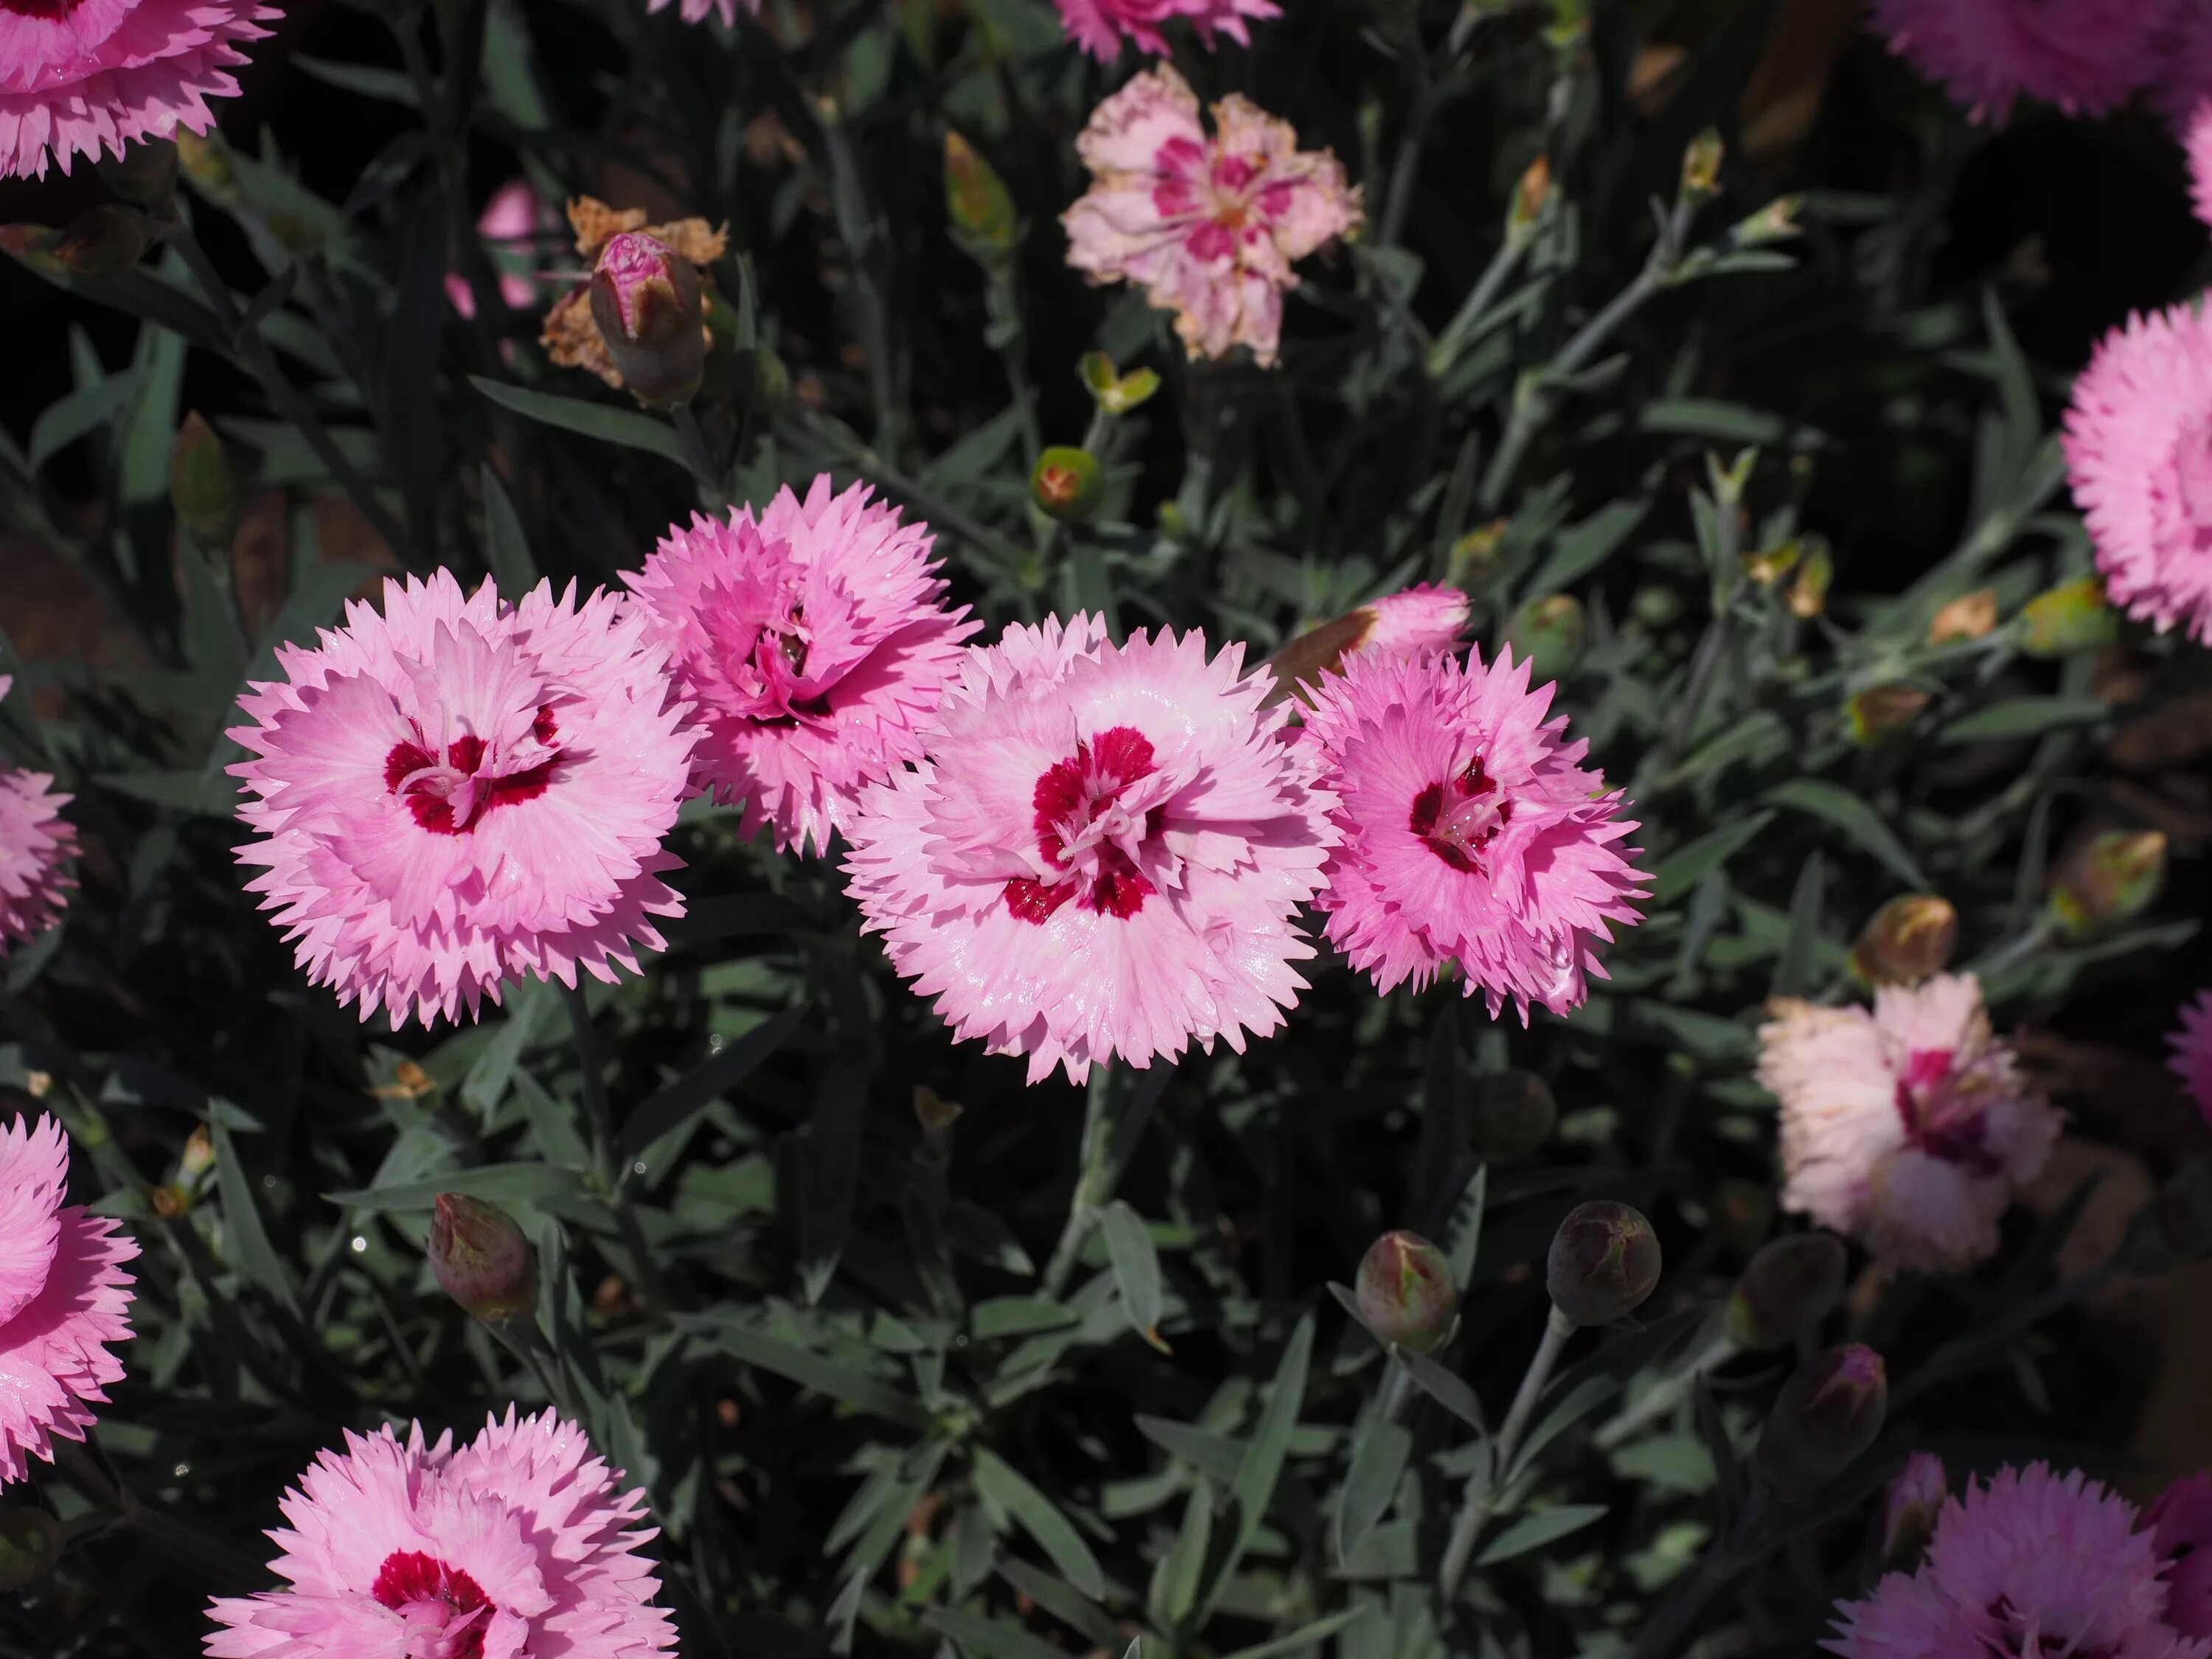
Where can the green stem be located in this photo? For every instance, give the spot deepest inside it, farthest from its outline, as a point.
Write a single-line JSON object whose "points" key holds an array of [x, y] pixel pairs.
{"points": [[1114, 1116], [1486, 1485], [596, 1107], [1475, 309]]}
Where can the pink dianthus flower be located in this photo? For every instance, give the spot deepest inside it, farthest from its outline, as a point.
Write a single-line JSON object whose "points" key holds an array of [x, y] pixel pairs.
{"points": [[34, 840], [2181, 1532], [78, 79], [1103, 854], [1097, 25], [2192, 1052], [520, 1542], [2085, 55], [460, 791], [1910, 1127], [1471, 834], [64, 1298], [2033, 1565], [1209, 227], [2138, 444], [813, 644]]}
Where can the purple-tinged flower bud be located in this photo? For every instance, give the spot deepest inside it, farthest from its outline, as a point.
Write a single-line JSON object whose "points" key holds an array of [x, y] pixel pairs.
{"points": [[1790, 1286], [646, 300], [1829, 1411], [1406, 1296], [482, 1259], [1908, 1515], [1067, 481], [2110, 876], [1604, 1261], [30, 1544], [1510, 1115], [1908, 939]]}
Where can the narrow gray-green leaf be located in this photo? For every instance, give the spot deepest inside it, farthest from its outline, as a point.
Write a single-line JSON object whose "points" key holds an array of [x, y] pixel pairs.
{"points": [[630, 427], [1305, 1636], [1379, 1457], [1177, 1574], [1856, 816], [67, 419], [988, 1638], [2023, 717], [1001, 1483], [808, 1370], [674, 1107], [506, 551], [1686, 866], [1446, 1388], [1264, 1455], [1532, 1532], [1136, 1268], [246, 1240]]}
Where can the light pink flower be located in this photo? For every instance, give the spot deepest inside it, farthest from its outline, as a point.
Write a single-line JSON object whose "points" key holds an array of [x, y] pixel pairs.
{"points": [[34, 840], [460, 791], [1208, 226], [2085, 55], [520, 1542], [814, 644], [1103, 852], [2032, 1564], [509, 226], [1413, 620], [2139, 450], [78, 79], [64, 1299], [2181, 1532], [1471, 834], [2192, 1052], [1097, 25], [694, 11], [1910, 1127]]}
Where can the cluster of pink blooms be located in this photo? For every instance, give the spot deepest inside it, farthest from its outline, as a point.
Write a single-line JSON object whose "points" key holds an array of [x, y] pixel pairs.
{"points": [[1099, 25], [2040, 1566], [2085, 55], [1910, 1127], [36, 839]]}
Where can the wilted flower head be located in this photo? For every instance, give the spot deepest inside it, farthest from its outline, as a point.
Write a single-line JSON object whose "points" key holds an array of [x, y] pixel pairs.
{"points": [[457, 792], [2139, 450], [2181, 1532], [1910, 1127], [2192, 1051], [519, 1542], [1097, 25], [75, 80], [2085, 55], [1209, 227], [1471, 834], [64, 1299], [572, 336], [2033, 1563], [814, 644], [509, 226], [1103, 854], [34, 841]]}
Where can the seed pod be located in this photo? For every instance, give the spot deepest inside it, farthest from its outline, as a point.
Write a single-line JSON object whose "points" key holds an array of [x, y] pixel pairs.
{"points": [[2110, 876], [1604, 1261], [1791, 1285], [976, 200], [1067, 481], [1406, 1296], [1907, 940], [2072, 617], [1551, 633], [1908, 1517], [1828, 1413], [30, 1544], [646, 300], [482, 1259], [202, 485], [1510, 1114], [1879, 712]]}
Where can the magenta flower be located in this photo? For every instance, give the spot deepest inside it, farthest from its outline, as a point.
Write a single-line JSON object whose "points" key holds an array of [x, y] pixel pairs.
{"points": [[1097, 25], [75, 80], [34, 840], [1470, 833], [2181, 1532], [1103, 852], [2033, 1563], [2138, 444], [509, 226], [1209, 227], [521, 1542], [813, 644], [458, 791], [2085, 55], [1910, 1127], [64, 1299], [2192, 1052]]}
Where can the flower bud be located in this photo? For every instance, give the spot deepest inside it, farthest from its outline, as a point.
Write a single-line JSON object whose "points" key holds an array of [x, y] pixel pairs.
{"points": [[30, 1544], [1115, 392], [203, 487], [2072, 617], [1510, 1114], [1701, 168], [1551, 633], [1972, 617], [1775, 223], [482, 1259], [1907, 940], [145, 174], [105, 240], [1406, 1293], [1604, 1261], [975, 199], [1067, 481], [1879, 712], [1771, 564], [1474, 560], [1791, 1285], [1908, 1514], [1829, 1411], [204, 158], [1809, 594], [646, 301], [2110, 876], [1529, 195]]}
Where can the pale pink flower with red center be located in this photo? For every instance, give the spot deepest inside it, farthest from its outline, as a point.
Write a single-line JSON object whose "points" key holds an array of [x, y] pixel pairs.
{"points": [[2085, 55], [34, 840], [814, 644], [520, 1542], [694, 11], [510, 226], [80, 78], [1910, 1127], [2192, 1052], [2138, 445], [458, 791], [2181, 1532], [1209, 227], [1103, 854], [1471, 834], [1097, 25], [64, 1296], [2032, 1564]]}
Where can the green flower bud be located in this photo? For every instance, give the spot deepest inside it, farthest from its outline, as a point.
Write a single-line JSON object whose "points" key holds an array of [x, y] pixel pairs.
{"points": [[481, 1258], [204, 158], [30, 1544], [145, 174], [1551, 633], [1829, 1411], [203, 487], [1809, 594], [646, 300], [1529, 195], [1067, 481], [1791, 1285], [1604, 1261], [2110, 876], [1510, 1114], [1474, 563], [1701, 168], [2072, 617], [1115, 392], [1405, 1292], [1879, 712], [1908, 939], [1775, 223], [976, 200]]}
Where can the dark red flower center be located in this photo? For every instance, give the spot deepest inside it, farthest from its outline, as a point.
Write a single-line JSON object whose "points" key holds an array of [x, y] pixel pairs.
{"points": [[426, 1591], [2022, 1636], [451, 797], [1941, 1116], [1082, 829], [1461, 817], [51, 10]]}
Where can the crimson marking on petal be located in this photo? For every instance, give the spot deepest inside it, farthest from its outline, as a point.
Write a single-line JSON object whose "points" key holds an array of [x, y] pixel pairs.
{"points": [[1120, 890], [1033, 902], [543, 728], [1458, 819], [403, 761], [409, 1579], [1066, 794]]}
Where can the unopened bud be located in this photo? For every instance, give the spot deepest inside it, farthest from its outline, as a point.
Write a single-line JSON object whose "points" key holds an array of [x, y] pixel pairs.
{"points": [[146, 172], [1971, 616], [1829, 1411], [1529, 195], [1879, 712], [1809, 594], [1908, 1514], [203, 486], [1908, 939], [105, 240], [1701, 168], [2072, 617], [2110, 876], [1405, 1292], [482, 1259], [1067, 481], [1789, 1287], [30, 1544], [1474, 559], [1604, 1261], [204, 158], [1771, 564], [1551, 633], [1115, 392], [1775, 223], [1510, 1114], [645, 299], [976, 200]]}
